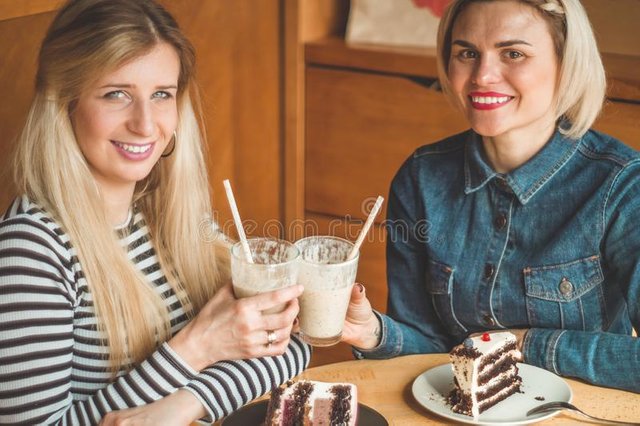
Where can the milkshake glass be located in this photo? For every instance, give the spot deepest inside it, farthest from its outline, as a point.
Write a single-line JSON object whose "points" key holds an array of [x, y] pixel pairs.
{"points": [[275, 266], [327, 277]]}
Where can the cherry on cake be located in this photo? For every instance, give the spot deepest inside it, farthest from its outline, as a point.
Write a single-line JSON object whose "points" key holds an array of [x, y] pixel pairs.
{"points": [[485, 372], [313, 403]]}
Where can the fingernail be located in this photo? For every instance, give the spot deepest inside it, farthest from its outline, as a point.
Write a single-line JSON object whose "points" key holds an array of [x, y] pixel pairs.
{"points": [[360, 288]]}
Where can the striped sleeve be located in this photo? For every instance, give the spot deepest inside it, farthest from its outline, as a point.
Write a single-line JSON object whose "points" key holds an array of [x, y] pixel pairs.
{"points": [[53, 363], [41, 355], [226, 386]]}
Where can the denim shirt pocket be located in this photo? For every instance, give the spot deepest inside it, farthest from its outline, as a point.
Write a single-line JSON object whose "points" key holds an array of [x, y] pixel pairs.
{"points": [[566, 296], [440, 280]]}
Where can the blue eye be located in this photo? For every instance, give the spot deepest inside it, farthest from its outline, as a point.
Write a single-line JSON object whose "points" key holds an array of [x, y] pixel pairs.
{"points": [[115, 95], [162, 95]]}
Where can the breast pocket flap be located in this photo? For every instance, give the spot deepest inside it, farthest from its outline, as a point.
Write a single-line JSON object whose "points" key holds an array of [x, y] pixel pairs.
{"points": [[563, 282], [440, 278]]}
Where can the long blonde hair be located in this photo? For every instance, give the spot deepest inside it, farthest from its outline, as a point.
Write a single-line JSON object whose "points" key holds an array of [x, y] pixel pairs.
{"points": [[582, 83], [86, 39]]}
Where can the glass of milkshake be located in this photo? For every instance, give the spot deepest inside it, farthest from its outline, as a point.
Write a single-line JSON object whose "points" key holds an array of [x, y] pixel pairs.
{"points": [[274, 266], [327, 277]]}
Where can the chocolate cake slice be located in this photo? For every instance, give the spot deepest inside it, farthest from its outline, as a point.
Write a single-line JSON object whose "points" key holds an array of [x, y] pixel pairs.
{"points": [[485, 372], [313, 403]]}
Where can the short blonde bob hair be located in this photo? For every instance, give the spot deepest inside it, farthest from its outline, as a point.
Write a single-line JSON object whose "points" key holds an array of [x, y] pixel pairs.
{"points": [[582, 83]]}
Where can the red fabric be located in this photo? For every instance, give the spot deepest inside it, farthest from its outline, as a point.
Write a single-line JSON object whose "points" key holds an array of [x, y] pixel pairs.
{"points": [[437, 7]]}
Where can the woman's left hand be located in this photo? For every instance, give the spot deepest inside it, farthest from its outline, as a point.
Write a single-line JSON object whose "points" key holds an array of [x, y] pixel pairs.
{"points": [[178, 409], [361, 326]]}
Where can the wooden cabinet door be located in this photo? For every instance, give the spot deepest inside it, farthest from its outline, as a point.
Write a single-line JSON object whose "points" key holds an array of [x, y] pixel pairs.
{"points": [[20, 41], [360, 127]]}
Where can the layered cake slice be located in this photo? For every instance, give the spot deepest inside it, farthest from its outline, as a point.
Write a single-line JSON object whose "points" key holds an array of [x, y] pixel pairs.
{"points": [[313, 403], [484, 372]]}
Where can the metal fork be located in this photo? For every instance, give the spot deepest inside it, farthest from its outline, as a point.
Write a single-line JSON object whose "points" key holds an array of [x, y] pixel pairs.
{"points": [[561, 405]]}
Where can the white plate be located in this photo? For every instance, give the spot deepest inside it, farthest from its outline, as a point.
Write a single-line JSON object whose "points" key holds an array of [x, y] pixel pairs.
{"points": [[432, 387]]}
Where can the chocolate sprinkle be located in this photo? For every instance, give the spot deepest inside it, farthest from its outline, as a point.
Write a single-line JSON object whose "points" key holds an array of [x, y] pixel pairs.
{"points": [[494, 370], [459, 402], [274, 403], [300, 397], [486, 405], [340, 404], [490, 359], [461, 351]]}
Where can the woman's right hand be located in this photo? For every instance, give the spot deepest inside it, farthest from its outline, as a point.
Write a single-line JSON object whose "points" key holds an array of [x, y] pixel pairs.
{"points": [[228, 328], [361, 328]]}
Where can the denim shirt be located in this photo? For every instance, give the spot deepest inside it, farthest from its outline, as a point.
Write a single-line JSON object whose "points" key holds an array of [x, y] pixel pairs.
{"points": [[553, 247]]}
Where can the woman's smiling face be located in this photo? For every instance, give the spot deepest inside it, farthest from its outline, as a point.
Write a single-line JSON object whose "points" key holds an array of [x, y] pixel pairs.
{"points": [[503, 69], [125, 120]]}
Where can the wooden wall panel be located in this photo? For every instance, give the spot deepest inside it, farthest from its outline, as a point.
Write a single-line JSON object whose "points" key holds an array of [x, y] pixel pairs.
{"points": [[615, 24], [620, 120], [20, 8], [304, 20], [360, 129], [239, 66], [19, 43]]}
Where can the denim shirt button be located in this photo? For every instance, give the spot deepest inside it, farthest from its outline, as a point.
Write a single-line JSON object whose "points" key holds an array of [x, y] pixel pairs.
{"points": [[488, 271], [503, 185], [501, 221], [488, 320], [566, 287]]}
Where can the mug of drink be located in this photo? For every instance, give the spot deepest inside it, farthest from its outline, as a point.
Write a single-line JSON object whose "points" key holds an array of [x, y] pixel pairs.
{"points": [[327, 277], [274, 266]]}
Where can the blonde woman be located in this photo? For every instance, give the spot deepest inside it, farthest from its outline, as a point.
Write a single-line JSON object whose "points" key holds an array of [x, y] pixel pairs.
{"points": [[528, 221], [113, 306]]}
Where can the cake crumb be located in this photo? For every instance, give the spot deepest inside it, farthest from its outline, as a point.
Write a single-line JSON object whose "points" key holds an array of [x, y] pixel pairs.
{"points": [[436, 397], [539, 398]]}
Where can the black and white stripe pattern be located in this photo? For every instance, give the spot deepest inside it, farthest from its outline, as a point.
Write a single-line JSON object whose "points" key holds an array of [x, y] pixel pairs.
{"points": [[53, 368]]}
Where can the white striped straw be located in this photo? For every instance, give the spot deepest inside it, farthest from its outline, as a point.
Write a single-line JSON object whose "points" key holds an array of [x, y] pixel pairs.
{"points": [[363, 232], [238, 222]]}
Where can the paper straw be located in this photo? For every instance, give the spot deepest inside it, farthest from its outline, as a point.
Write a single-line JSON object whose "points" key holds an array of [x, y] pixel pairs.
{"points": [[236, 219], [363, 232]]}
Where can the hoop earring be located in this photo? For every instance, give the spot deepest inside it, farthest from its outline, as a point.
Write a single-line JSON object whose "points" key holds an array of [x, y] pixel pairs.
{"points": [[173, 147]]}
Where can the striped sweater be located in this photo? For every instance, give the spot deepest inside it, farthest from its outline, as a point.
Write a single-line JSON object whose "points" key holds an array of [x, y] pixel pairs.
{"points": [[52, 364]]}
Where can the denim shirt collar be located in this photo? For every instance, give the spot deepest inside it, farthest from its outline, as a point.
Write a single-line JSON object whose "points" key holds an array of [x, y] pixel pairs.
{"points": [[526, 180]]}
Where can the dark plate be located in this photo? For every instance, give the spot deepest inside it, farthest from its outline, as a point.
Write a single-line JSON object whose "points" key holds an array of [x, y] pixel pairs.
{"points": [[253, 415]]}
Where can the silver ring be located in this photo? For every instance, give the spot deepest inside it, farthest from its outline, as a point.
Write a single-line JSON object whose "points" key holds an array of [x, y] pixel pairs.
{"points": [[271, 337]]}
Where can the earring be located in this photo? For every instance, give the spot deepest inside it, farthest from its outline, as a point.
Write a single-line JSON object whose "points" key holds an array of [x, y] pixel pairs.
{"points": [[173, 147]]}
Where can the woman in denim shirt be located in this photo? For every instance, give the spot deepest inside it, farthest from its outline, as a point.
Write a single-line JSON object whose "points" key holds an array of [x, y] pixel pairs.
{"points": [[529, 220]]}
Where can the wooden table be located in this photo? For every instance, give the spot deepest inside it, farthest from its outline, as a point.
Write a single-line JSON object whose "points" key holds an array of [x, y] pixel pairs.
{"points": [[385, 385]]}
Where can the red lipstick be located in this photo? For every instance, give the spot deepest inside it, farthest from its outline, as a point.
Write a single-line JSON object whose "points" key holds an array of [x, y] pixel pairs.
{"points": [[488, 100]]}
